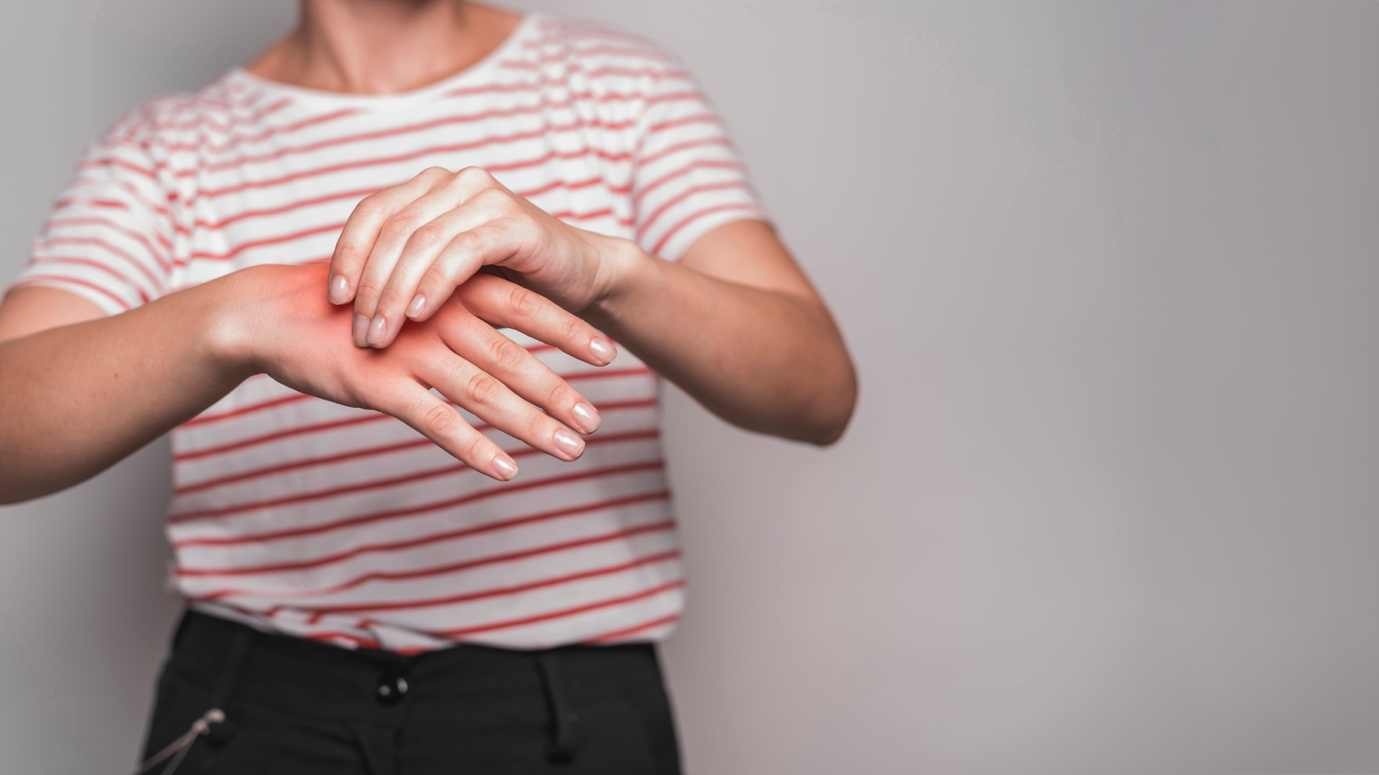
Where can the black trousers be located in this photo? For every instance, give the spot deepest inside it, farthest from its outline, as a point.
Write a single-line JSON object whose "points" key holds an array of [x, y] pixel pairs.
{"points": [[289, 705]]}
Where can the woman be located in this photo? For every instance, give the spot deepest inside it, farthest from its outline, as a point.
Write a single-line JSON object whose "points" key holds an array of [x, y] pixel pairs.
{"points": [[278, 266]]}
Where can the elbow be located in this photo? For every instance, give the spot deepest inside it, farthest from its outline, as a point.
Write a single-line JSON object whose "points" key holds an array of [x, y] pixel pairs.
{"points": [[836, 411]]}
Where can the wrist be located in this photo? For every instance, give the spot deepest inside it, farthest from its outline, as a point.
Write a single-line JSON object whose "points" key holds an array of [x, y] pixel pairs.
{"points": [[228, 321], [620, 270]]}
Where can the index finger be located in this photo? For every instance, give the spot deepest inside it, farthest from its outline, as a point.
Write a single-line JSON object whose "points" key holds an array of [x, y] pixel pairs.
{"points": [[361, 231]]}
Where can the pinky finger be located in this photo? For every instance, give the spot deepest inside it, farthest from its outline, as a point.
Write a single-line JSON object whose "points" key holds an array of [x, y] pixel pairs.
{"points": [[441, 422]]}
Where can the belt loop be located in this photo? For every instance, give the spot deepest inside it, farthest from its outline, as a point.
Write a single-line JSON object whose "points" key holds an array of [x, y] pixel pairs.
{"points": [[563, 717]]}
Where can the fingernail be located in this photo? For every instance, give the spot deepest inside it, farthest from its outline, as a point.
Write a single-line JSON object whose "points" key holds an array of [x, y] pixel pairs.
{"points": [[505, 468], [378, 330], [602, 349], [339, 289], [361, 330], [416, 306], [568, 443], [587, 418]]}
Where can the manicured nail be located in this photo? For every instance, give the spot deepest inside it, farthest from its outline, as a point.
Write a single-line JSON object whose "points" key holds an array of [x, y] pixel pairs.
{"points": [[568, 443], [504, 467], [416, 306], [361, 330], [602, 349], [378, 330], [586, 417], [339, 289]]}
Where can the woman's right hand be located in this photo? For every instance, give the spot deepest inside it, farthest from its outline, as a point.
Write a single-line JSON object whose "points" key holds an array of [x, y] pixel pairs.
{"points": [[284, 327]]}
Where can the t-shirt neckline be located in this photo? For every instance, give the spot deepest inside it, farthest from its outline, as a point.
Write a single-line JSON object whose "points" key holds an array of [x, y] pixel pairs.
{"points": [[477, 70]]}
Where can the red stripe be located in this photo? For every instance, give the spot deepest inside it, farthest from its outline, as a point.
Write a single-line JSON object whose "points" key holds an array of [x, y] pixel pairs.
{"points": [[376, 484], [541, 108], [696, 216], [45, 279], [329, 636], [298, 532], [650, 559], [123, 185], [99, 221], [642, 191], [358, 453], [156, 283], [415, 154], [682, 196], [566, 612], [664, 152], [361, 193], [207, 148], [111, 161], [425, 540], [633, 630], [94, 265], [370, 416], [333, 227], [421, 573], [203, 419], [203, 121], [611, 49]]}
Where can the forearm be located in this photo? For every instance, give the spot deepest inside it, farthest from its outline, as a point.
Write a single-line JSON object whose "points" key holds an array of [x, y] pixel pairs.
{"points": [[764, 360], [78, 398]]}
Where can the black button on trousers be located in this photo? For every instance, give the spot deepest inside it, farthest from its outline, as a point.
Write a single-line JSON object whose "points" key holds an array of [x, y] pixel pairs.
{"points": [[291, 705]]}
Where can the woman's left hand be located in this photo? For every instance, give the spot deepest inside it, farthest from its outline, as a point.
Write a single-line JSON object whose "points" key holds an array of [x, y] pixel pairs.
{"points": [[405, 249]]}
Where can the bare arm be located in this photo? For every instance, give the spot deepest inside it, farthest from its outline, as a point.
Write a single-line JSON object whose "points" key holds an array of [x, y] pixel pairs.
{"points": [[736, 325], [86, 390], [79, 391]]}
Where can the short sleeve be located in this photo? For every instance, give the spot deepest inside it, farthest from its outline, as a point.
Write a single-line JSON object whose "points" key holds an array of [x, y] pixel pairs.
{"points": [[688, 177], [108, 237]]}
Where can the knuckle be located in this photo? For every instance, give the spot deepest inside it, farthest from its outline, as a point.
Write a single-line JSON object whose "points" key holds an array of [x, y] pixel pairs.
{"points": [[372, 206], [493, 199], [522, 302], [427, 237], [398, 227], [572, 328], [474, 176], [482, 388], [468, 243], [558, 393], [435, 277], [440, 419], [473, 448], [505, 354], [349, 252]]}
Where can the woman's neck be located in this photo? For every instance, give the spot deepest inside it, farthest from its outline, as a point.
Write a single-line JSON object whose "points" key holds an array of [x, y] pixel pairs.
{"points": [[383, 46]]}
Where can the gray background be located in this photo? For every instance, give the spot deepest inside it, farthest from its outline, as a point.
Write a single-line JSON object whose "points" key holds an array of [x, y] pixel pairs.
{"points": [[1109, 501]]}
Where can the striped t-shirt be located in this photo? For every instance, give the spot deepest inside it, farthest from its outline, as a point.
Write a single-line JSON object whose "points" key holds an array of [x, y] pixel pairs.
{"points": [[301, 516]]}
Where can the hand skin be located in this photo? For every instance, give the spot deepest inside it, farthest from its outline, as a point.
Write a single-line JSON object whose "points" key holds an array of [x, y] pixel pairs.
{"points": [[77, 398], [735, 323]]}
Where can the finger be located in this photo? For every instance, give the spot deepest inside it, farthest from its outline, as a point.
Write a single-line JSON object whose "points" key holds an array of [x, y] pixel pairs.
{"points": [[400, 296], [361, 229], [417, 224], [491, 243], [503, 303], [441, 423], [522, 372], [493, 402]]}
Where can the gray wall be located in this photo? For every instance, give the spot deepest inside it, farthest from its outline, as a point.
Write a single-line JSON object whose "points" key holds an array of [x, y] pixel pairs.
{"points": [[1109, 502]]}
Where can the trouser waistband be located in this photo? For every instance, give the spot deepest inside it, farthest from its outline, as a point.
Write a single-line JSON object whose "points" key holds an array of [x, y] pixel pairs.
{"points": [[457, 685]]}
